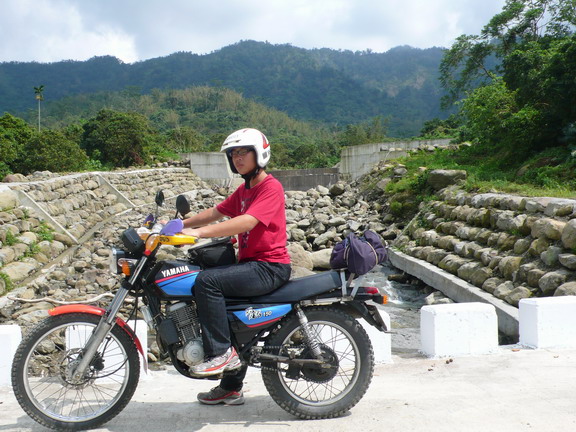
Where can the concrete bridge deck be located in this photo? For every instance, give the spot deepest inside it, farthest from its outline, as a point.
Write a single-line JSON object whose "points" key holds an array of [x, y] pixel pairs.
{"points": [[513, 390]]}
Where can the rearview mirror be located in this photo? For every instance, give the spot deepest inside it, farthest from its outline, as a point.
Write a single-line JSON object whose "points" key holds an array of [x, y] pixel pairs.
{"points": [[182, 205], [159, 198]]}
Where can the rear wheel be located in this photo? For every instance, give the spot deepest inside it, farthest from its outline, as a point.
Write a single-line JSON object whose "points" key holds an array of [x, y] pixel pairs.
{"points": [[43, 381], [313, 391]]}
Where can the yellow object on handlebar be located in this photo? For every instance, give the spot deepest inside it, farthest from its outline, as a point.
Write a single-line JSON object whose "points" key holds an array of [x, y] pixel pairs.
{"points": [[178, 239]]}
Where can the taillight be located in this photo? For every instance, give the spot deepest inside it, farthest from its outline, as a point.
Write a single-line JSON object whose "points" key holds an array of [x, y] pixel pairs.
{"points": [[377, 296]]}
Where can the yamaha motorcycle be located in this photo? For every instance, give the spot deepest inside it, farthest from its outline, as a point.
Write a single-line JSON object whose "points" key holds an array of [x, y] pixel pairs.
{"points": [[79, 367]]}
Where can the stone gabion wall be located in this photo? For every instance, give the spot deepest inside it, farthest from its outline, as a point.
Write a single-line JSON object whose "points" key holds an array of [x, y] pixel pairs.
{"points": [[75, 202], [78, 203], [140, 186], [510, 246], [81, 201]]}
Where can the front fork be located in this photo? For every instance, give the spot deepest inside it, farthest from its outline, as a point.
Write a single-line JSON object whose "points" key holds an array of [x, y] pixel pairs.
{"points": [[102, 330], [105, 325]]}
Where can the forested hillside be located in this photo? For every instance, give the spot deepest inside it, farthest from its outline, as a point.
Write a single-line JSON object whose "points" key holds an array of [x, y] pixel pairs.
{"points": [[322, 85]]}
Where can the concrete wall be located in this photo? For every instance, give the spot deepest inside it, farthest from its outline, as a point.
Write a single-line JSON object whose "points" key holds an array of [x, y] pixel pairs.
{"points": [[358, 160], [304, 179], [211, 167], [355, 161]]}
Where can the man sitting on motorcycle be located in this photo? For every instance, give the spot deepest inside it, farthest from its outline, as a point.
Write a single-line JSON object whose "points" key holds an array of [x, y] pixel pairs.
{"points": [[257, 216]]}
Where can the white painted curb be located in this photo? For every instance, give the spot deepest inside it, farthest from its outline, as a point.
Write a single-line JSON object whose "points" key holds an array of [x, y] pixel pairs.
{"points": [[548, 322]]}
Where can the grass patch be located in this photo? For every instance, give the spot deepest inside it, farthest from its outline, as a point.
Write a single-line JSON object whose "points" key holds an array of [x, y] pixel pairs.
{"points": [[11, 239], [45, 232], [548, 173], [7, 281], [33, 249]]}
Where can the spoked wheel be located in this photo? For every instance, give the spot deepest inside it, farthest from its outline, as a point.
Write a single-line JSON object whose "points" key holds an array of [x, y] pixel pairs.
{"points": [[43, 381], [313, 391]]}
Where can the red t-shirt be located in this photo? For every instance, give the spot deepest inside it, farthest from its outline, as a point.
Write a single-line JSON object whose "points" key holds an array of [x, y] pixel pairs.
{"points": [[265, 201]]}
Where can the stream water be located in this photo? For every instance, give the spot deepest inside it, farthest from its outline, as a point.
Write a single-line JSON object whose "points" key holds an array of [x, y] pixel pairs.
{"points": [[404, 303]]}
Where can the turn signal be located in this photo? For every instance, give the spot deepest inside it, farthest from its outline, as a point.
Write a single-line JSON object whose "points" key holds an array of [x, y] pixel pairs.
{"points": [[126, 265], [151, 243]]}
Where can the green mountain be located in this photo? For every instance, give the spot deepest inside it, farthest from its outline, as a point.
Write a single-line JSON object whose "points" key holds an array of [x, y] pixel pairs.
{"points": [[322, 85]]}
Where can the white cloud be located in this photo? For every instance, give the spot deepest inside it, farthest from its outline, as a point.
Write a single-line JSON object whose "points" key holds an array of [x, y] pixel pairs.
{"points": [[51, 30], [46, 30]]}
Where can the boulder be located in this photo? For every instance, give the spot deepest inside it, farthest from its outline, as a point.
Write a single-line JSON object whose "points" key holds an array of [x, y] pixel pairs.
{"points": [[538, 246], [551, 255], [7, 255], [18, 271], [321, 259], [533, 277], [509, 265], [518, 294], [552, 280], [465, 271], [439, 179], [548, 228], [337, 189], [298, 272], [491, 284], [569, 235], [8, 199], [14, 178], [568, 260], [437, 298], [566, 289], [480, 275], [451, 263], [300, 257], [504, 289]]}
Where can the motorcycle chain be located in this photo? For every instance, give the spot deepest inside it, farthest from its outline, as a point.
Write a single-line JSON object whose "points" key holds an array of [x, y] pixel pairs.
{"points": [[275, 369]]}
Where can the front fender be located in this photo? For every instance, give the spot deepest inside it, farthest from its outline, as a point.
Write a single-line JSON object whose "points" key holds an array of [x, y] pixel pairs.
{"points": [[93, 310]]}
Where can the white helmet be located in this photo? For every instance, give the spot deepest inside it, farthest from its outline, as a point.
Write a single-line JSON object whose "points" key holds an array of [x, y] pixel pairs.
{"points": [[248, 138]]}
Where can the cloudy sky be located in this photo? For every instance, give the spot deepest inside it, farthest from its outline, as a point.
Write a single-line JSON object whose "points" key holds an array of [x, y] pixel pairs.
{"points": [[133, 30]]}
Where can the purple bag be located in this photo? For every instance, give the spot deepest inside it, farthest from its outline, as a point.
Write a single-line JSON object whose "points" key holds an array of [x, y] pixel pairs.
{"points": [[358, 254]]}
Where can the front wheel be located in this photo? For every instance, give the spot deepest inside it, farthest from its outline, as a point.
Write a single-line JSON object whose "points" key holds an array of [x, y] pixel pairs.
{"points": [[42, 373], [312, 391]]}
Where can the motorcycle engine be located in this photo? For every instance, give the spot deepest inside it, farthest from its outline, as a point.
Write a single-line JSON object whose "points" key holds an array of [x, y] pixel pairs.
{"points": [[185, 317]]}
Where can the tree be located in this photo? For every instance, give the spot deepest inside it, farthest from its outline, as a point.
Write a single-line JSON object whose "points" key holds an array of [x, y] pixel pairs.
{"points": [[185, 140], [470, 61], [119, 139], [535, 45], [51, 150], [39, 92], [438, 128], [14, 134], [372, 131]]}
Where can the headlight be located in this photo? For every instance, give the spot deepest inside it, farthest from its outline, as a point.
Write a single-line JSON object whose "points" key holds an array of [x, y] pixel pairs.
{"points": [[121, 262], [115, 255]]}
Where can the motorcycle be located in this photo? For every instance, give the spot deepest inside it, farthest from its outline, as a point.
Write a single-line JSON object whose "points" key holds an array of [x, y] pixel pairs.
{"points": [[79, 367]]}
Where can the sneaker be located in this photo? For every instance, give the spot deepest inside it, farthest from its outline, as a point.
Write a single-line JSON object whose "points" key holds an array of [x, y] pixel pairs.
{"points": [[218, 395], [216, 365]]}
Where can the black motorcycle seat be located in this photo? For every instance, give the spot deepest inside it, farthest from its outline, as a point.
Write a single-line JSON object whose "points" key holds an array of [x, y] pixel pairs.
{"points": [[302, 288]]}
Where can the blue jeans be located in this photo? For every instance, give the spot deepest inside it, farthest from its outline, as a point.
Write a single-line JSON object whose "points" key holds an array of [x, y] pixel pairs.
{"points": [[248, 279]]}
